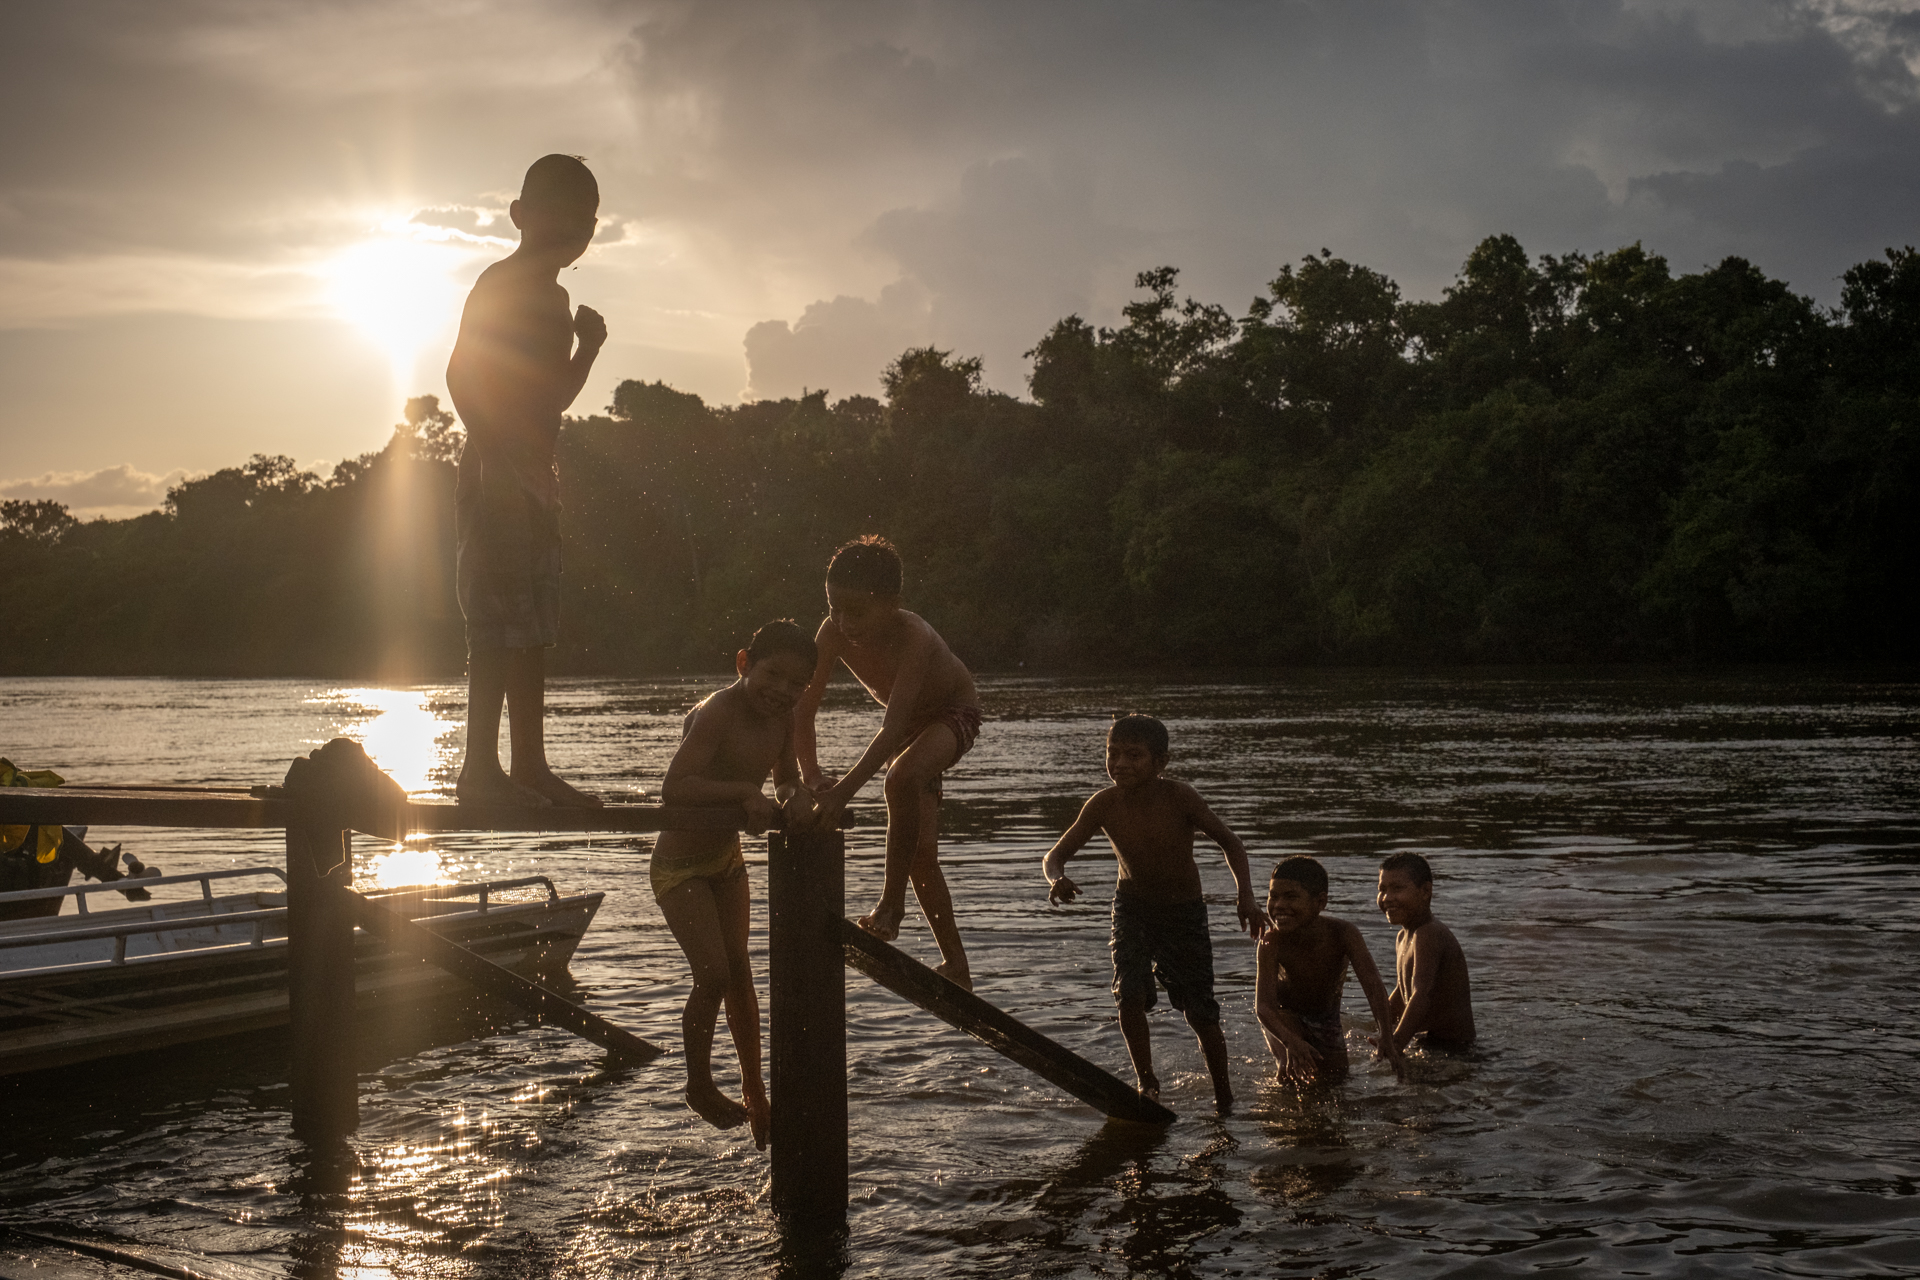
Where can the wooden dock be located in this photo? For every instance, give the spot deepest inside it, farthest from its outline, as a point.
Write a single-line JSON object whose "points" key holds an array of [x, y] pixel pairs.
{"points": [[811, 944]]}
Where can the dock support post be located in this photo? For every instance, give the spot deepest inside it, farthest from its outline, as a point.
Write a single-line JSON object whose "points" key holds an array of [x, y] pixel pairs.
{"points": [[807, 1012], [324, 1071]]}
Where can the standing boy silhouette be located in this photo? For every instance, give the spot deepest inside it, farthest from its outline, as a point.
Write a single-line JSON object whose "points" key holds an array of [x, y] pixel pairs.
{"points": [[514, 371]]}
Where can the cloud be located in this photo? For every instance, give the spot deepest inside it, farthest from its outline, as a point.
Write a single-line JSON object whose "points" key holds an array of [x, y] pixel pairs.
{"points": [[798, 191], [113, 492], [840, 345]]}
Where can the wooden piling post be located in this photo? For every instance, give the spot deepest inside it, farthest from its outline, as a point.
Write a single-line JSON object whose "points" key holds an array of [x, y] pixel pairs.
{"points": [[324, 1073], [807, 1013]]}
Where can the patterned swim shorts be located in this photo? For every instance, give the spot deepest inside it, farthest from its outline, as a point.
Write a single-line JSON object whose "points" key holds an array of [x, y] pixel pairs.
{"points": [[508, 573]]}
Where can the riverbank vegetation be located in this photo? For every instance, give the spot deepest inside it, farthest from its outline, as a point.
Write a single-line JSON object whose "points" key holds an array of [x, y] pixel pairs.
{"points": [[1563, 459]]}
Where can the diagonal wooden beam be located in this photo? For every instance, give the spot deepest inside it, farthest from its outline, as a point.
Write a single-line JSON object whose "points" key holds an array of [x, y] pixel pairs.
{"points": [[915, 982], [484, 975]]}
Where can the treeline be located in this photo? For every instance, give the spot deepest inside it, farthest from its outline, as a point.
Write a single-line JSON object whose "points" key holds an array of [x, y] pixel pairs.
{"points": [[1563, 459]]}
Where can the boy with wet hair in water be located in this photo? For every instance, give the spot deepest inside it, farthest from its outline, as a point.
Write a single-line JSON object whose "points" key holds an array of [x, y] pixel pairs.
{"points": [[932, 718], [729, 743], [1159, 913], [1300, 967], [514, 371], [1432, 997]]}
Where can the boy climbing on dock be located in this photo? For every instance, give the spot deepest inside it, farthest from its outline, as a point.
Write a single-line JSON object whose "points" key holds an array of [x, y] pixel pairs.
{"points": [[1301, 966], [1159, 913], [730, 742], [514, 371], [932, 717], [1432, 998]]}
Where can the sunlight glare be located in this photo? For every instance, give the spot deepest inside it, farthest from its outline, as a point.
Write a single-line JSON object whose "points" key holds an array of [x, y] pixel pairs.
{"points": [[401, 867], [400, 733], [398, 290]]}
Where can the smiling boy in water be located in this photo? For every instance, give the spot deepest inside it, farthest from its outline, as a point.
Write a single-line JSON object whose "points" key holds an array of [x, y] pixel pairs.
{"points": [[1302, 964], [1432, 996], [1159, 913], [933, 716], [730, 742], [514, 371]]}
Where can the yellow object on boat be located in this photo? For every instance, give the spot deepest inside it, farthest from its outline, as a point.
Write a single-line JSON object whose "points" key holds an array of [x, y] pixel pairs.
{"points": [[48, 845]]}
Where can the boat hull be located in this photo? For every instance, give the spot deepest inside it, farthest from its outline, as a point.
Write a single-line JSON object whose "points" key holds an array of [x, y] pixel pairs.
{"points": [[61, 1005]]}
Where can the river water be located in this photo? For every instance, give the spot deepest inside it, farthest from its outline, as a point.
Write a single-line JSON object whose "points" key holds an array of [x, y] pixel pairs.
{"points": [[1688, 902]]}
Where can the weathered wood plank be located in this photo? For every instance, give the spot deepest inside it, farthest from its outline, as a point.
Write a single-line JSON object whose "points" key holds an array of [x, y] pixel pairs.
{"points": [[807, 1013], [81, 806], [484, 975], [114, 807], [908, 978]]}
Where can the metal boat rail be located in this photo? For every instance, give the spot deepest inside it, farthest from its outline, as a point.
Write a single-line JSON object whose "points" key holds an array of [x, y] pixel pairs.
{"points": [[51, 934], [80, 891]]}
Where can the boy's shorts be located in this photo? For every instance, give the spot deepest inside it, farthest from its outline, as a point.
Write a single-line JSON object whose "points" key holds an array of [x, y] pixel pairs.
{"points": [[1167, 940], [508, 574]]}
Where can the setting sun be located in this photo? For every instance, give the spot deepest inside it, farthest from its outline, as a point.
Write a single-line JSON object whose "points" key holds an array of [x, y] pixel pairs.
{"points": [[399, 291]]}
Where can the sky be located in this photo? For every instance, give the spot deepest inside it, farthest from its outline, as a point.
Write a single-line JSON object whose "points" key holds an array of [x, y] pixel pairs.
{"points": [[230, 228]]}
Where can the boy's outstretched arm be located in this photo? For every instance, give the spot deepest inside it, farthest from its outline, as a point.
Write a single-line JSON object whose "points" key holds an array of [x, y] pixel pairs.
{"points": [[1054, 865], [1369, 975], [686, 782], [1246, 906], [805, 747]]}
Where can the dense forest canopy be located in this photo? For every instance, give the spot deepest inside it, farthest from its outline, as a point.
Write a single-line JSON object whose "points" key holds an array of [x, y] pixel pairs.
{"points": [[1569, 458]]}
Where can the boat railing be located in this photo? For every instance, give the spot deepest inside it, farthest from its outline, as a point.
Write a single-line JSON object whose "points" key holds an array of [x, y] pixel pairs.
{"points": [[81, 891], [484, 888], [121, 932], [214, 918]]}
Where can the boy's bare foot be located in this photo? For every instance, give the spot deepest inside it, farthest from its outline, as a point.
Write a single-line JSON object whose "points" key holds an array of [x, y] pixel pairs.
{"points": [[958, 974], [715, 1107], [1150, 1086], [491, 786], [559, 793], [883, 922], [1223, 1101], [759, 1119]]}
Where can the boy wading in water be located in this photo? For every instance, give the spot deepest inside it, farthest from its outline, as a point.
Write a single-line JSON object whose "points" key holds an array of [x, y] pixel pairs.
{"points": [[933, 715], [1302, 964], [730, 743], [1159, 915], [1432, 997], [514, 371]]}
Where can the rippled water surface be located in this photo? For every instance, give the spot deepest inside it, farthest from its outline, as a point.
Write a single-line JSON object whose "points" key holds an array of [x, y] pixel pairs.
{"points": [[1689, 903]]}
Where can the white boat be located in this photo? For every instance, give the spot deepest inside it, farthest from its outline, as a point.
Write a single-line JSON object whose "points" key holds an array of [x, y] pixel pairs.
{"points": [[98, 983]]}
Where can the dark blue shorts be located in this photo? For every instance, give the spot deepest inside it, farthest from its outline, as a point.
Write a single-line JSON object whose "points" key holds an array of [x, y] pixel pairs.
{"points": [[1168, 941]]}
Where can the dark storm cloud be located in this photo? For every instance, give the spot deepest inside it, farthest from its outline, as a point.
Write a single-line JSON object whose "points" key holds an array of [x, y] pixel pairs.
{"points": [[840, 178]]}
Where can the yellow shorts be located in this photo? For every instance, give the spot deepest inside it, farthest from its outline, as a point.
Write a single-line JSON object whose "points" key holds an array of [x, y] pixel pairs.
{"points": [[669, 873]]}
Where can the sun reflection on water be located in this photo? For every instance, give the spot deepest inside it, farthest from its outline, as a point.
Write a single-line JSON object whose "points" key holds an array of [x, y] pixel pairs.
{"points": [[400, 732], [400, 866]]}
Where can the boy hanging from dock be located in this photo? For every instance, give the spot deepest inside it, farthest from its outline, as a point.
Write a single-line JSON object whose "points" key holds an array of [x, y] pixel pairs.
{"points": [[515, 369], [1159, 913], [730, 743], [1301, 966], [932, 717]]}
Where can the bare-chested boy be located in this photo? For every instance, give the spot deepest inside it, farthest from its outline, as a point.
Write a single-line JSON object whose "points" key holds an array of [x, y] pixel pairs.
{"points": [[933, 716], [730, 743], [1303, 963], [1159, 914], [514, 371], [1432, 997]]}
